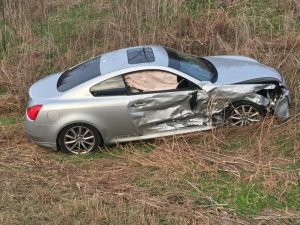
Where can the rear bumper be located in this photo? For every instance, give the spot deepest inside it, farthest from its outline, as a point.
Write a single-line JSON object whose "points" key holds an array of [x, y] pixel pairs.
{"points": [[44, 135]]}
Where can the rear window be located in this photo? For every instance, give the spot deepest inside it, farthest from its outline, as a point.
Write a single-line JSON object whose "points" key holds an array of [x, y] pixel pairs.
{"points": [[140, 55], [79, 74]]}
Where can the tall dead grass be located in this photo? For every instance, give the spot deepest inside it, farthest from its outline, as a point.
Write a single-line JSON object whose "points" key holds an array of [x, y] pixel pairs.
{"points": [[35, 38], [163, 22]]}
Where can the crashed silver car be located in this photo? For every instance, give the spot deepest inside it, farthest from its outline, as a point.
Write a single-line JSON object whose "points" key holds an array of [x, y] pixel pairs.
{"points": [[150, 91]]}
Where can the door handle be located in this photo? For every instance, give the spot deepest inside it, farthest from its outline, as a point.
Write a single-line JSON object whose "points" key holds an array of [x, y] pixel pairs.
{"points": [[139, 104]]}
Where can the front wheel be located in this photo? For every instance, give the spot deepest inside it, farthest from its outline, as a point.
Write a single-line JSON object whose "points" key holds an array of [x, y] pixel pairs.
{"points": [[244, 113], [79, 139]]}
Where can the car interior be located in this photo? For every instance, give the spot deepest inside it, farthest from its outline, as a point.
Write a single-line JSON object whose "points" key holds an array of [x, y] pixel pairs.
{"points": [[142, 82], [155, 80]]}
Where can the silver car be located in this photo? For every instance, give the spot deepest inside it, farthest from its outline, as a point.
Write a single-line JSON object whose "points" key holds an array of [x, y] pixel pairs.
{"points": [[150, 91]]}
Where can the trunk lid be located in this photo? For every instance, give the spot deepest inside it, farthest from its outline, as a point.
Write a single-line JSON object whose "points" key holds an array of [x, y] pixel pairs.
{"points": [[45, 89]]}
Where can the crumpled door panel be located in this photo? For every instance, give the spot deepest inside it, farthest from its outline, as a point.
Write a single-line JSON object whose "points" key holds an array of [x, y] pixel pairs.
{"points": [[169, 110]]}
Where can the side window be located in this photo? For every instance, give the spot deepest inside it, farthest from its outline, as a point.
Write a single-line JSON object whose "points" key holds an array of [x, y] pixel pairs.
{"points": [[110, 87], [155, 81]]}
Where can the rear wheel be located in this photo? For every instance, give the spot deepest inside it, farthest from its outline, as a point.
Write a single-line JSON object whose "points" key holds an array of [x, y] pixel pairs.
{"points": [[79, 139], [244, 113]]}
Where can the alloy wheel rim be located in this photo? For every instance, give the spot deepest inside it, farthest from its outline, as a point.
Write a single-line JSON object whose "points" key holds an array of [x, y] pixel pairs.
{"points": [[244, 115], [79, 140]]}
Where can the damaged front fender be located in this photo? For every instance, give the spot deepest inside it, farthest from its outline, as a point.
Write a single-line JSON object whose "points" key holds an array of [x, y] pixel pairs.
{"points": [[202, 108], [279, 104]]}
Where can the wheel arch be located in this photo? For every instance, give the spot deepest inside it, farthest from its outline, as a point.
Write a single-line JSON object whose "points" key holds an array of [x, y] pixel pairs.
{"points": [[262, 108], [76, 123]]}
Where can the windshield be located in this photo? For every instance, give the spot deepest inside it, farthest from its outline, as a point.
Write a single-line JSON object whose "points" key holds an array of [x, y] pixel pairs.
{"points": [[197, 67], [79, 74]]}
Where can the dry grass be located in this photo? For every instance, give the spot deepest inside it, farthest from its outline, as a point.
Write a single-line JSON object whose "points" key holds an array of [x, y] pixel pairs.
{"points": [[230, 176]]}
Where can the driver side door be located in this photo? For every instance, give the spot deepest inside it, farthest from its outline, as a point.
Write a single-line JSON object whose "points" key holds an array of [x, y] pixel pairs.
{"points": [[160, 101]]}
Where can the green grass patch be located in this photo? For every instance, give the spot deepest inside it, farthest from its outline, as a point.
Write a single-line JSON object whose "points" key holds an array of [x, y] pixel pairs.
{"points": [[284, 144], [237, 143], [145, 146], [64, 24], [9, 120], [106, 153], [64, 29], [2, 91], [292, 197], [249, 199], [195, 8], [297, 26], [158, 188], [260, 16], [298, 136], [6, 42], [293, 166], [246, 198], [109, 152]]}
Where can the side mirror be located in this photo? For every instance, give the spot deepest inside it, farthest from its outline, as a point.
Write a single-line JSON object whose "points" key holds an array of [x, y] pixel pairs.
{"points": [[207, 86]]}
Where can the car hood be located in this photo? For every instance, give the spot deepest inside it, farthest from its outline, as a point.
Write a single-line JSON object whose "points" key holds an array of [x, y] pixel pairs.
{"points": [[240, 69], [45, 89]]}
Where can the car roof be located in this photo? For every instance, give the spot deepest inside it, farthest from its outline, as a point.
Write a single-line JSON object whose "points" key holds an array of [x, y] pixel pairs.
{"points": [[118, 60]]}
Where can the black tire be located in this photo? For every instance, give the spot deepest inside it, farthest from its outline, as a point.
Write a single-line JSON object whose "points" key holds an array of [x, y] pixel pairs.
{"points": [[248, 106], [81, 144]]}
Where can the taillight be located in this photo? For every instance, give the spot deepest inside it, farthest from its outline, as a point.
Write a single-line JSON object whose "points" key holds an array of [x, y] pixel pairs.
{"points": [[33, 111]]}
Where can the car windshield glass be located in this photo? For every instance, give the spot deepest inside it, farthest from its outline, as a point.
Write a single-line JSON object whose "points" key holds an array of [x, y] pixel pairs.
{"points": [[79, 74], [196, 67]]}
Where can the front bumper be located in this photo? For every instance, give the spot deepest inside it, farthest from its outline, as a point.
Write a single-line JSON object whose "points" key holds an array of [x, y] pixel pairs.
{"points": [[282, 107]]}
